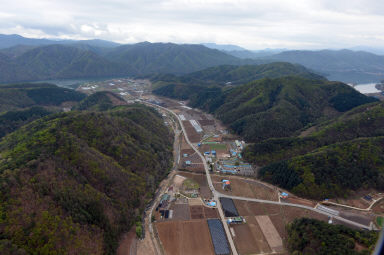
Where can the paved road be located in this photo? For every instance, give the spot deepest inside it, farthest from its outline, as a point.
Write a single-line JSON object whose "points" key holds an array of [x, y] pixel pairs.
{"points": [[217, 194]]}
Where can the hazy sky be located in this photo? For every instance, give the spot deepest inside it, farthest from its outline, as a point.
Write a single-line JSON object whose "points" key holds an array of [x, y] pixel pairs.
{"points": [[253, 24]]}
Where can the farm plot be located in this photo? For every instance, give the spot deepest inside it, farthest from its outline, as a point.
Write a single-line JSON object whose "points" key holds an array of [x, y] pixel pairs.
{"points": [[210, 213], [220, 148], [193, 136], [197, 168], [205, 192], [197, 212], [270, 233], [195, 164], [245, 188], [185, 237], [279, 215], [185, 146], [180, 212], [205, 122], [203, 212], [249, 238]]}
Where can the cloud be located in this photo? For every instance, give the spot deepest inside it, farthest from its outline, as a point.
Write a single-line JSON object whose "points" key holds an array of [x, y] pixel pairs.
{"points": [[250, 23]]}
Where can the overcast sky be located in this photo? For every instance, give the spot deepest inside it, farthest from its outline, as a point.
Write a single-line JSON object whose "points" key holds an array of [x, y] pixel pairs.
{"points": [[254, 24]]}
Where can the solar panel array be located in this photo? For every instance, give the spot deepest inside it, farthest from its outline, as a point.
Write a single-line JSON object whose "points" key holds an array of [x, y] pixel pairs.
{"points": [[218, 236], [229, 207]]}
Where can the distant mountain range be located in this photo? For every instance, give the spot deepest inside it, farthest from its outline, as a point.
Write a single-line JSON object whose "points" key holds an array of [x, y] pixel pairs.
{"points": [[7, 41], [55, 61], [224, 47], [26, 59], [344, 65]]}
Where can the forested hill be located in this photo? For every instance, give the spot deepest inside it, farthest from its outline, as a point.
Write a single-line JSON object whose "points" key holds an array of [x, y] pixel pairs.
{"points": [[364, 121], [100, 101], [74, 182], [20, 96], [339, 157], [212, 79], [26, 63], [281, 107], [309, 236], [149, 58], [235, 75], [58, 61]]}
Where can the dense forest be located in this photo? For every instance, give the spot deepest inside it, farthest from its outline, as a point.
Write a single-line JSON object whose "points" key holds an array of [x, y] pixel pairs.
{"points": [[100, 101], [74, 182], [25, 95], [309, 236], [234, 75], [339, 156], [85, 60], [12, 120], [331, 171], [363, 121]]}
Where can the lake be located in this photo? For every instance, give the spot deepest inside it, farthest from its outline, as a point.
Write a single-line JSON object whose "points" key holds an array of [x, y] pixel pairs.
{"points": [[367, 88]]}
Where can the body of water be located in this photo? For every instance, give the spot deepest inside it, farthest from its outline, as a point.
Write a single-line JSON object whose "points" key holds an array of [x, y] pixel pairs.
{"points": [[367, 88]]}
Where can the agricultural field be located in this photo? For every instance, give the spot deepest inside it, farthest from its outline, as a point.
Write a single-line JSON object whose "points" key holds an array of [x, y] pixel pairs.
{"points": [[249, 238], [185, 237], [201, 179], [188, 154], [193, 136], [279, 215], [203, 212], [181, 212], [245, 188]]}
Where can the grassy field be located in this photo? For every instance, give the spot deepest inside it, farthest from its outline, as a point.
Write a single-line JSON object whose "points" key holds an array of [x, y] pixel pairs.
{"points": [[190, 184], [217, 146]]}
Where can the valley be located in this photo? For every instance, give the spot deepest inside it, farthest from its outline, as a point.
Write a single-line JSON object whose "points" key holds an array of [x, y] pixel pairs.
{"points": [[211, 181], [174, 127]]}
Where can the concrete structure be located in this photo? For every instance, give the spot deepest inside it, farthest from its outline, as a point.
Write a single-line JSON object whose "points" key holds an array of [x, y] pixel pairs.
{"points": [[328, 210]]}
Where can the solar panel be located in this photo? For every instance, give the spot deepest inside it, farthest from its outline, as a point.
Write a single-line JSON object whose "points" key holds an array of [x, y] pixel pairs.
{"points": [[229, 207], [218, 236]]}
